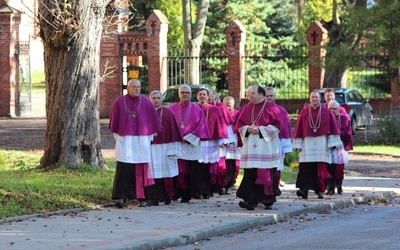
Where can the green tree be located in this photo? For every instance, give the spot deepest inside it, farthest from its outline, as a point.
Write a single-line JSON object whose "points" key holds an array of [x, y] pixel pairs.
{"points": [[172, 9], [309, 11], [380, 26], [270, 32]]}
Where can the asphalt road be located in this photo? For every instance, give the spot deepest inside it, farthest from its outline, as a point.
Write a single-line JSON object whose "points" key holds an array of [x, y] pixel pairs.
{"points": [[372, 226]]}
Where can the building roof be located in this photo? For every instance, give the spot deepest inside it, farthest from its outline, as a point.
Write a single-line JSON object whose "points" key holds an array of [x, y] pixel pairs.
{"points": [[5, 8]]}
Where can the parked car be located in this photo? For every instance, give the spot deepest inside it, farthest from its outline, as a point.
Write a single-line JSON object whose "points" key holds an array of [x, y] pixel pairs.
{"points": [[171, 94], [358, 108]]}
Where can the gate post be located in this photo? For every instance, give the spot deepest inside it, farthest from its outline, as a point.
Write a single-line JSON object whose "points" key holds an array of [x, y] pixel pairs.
{"points": [[10, 20], [395, 91], [316, 35], [235, 42], [110, 65], [157, 50]]}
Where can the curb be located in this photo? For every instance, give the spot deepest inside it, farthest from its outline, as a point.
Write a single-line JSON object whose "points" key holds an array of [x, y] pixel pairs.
{"points": [[249, 223]]}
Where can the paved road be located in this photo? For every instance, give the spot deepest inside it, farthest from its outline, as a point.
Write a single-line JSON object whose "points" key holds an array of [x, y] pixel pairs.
{"points": [[368, 226]]}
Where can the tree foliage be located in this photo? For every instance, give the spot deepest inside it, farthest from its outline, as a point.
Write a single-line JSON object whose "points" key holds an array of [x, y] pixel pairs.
{"points": [[172, 9], [311, 11], [382, 34], [270, 33], [362, 37]]}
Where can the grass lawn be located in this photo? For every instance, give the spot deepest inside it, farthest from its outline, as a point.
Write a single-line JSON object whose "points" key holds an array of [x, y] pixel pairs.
{"points": [[391, 150], [24, 189], [38, 83]]}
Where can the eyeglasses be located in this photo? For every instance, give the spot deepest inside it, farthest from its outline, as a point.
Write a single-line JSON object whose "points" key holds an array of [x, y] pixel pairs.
{"points": [[185, 93], [333, 108]]}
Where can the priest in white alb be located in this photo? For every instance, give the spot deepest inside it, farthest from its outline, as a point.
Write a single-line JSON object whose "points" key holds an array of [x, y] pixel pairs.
{"points": [[258, 125], [315, 134]]}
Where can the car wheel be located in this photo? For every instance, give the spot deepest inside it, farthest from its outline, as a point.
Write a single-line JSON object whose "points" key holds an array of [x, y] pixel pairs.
{"points": [[353, 124]]}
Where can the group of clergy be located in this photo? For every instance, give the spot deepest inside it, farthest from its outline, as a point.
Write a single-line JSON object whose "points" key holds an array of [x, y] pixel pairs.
{"points": [[194, 150]]}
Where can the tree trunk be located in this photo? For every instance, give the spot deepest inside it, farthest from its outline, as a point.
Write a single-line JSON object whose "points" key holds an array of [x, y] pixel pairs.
{"points": [[193, 39], [335, 78], [71, 34]]}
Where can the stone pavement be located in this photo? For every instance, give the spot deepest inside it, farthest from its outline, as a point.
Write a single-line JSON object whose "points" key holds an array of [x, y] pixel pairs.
{"points": [[179, 223]]}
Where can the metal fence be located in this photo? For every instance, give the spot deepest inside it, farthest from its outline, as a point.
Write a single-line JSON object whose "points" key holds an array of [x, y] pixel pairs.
{"points": [[284, 68], [383, 128], [280, 66], [371, 78], [213, 68]]}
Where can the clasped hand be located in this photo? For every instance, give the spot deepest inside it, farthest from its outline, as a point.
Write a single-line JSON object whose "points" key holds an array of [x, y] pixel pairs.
{"points": [[253, 129]]}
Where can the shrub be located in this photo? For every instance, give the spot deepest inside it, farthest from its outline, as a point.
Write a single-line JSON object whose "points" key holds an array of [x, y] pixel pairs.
{"points": [[389, 131]]}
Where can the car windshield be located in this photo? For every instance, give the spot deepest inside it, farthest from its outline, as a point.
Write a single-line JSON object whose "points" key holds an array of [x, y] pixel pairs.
{"points": [[171, 96], [339, 97]]}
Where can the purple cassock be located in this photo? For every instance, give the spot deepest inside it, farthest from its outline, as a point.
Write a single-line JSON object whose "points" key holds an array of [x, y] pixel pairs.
{"points": [[190, 120], [146, 120], [215, 121], [327, 125], [170, 131], [345, 131], [225, 112], [286, 130], [249, 115]]}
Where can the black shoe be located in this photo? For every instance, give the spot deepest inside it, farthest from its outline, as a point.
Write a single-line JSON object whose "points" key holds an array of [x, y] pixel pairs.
{"points": [[120, 203], [221, 191], [331, 191], [244, 204], [320, 195], [340, 190], [143, 204], [167, 201], [197, 196], [185, 200], [301, 194], [267, 206], [206, 196], [152, 203]]}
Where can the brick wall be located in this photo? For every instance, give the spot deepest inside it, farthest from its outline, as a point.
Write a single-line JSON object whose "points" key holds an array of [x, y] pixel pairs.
{"points": [[9, 37]]}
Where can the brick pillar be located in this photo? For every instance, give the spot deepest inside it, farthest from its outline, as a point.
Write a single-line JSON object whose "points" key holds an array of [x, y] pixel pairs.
{"points": [[395, 91], [316, 35], [9, 38], [157, 29], [235, 42], [110, 63]]}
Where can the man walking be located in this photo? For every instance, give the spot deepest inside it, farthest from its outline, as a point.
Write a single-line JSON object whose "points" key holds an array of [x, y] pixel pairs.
{"points": [[133, 121], [258, 125], [193, 127], [165, 151], [315, 134]]}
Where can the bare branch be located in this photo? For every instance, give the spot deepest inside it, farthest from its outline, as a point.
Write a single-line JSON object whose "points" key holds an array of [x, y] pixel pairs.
{"points": [[108, 71]]}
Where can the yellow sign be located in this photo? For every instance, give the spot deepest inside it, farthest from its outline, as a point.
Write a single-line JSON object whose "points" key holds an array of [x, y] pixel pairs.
{"points": [[134, 74]]}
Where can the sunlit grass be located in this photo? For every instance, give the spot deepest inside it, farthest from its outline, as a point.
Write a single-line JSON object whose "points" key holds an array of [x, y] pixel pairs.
{"points": [[38, 83], [377, 149], [24, 189]]}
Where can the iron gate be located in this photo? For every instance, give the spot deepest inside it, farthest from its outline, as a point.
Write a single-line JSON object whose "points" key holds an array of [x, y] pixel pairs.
{"points": [[24, 85]]}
